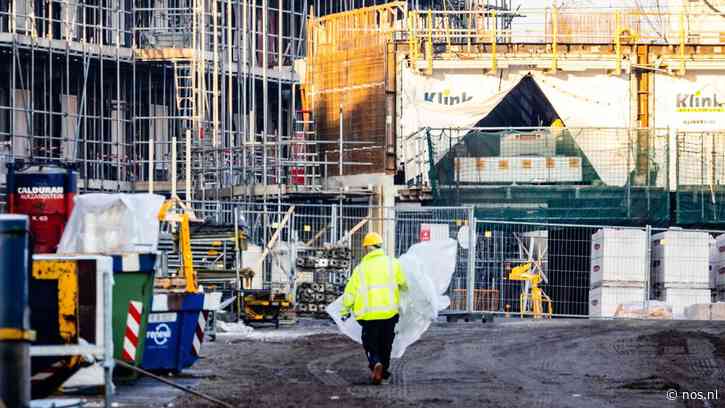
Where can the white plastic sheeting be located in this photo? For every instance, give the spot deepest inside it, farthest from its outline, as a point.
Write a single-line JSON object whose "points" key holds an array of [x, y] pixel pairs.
{"points": [[593, 99], [587, 98], [112, 223], [428, 267]]}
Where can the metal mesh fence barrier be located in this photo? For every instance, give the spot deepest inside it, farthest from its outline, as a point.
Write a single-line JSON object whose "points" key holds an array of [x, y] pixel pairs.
{"points": [[510, 268]]}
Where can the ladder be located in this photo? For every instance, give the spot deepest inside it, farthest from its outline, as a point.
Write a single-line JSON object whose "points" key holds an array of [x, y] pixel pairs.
{"points": [[304, 152], [185, 84]]}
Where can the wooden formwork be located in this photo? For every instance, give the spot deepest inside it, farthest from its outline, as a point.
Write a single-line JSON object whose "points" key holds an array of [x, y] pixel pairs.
{"points": [[346, 75]]}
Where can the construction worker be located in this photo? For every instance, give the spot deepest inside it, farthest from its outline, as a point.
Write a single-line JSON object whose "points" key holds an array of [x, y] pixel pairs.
{"points": [[373, 296]]}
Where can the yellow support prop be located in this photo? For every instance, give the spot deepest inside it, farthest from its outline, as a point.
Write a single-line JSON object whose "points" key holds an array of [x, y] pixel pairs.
{"points": [[682, 43], [523, 273], [494, 64], [412, 41], [618, 42], [444, 16], [519, 272], [429, 45], [555, 39]]}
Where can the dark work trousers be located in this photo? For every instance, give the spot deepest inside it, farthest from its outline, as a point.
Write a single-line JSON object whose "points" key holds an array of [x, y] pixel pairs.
{"points": [[377, 339]]}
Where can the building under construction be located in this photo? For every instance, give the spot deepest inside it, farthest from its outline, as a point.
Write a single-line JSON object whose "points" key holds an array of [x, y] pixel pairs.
{"points": [[523, 160], [257, 99], [120, 89]]}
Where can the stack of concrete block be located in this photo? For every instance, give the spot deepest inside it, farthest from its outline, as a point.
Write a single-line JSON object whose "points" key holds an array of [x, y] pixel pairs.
{"points": [[717, 267], [706, 311], [713, 258], [681, 268], [618, 270]]}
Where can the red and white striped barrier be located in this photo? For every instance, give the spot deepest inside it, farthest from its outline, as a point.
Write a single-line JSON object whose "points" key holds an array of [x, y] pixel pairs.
{"points": [[133, 325], [199, 333]]}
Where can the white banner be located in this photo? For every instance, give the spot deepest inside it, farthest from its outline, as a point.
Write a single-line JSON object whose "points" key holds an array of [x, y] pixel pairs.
{"points": [[694, 102], [449, 98]]}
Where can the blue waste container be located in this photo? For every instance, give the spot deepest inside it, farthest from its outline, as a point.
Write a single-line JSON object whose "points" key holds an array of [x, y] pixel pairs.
{"points": [[175, 332]]}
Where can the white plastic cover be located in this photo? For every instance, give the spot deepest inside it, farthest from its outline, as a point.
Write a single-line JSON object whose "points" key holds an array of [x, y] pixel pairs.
{"points": [[112, 223], [428, 267]]}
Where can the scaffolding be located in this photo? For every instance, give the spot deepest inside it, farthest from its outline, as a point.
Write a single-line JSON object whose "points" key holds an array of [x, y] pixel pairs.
{"points": [[116, 87]]}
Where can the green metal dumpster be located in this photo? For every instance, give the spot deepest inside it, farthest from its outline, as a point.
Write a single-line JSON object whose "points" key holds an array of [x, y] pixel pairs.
{"points": [[133, 289]]}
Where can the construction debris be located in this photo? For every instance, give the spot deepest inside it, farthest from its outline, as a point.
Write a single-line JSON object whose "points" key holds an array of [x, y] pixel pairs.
{"points": [[654, 310]]}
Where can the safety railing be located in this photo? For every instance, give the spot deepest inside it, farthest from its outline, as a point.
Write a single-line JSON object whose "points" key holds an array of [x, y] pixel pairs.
{"points": [[564, 26], [262, 32], [95, 158], [428, 30], [605, 156], [107, 23]]}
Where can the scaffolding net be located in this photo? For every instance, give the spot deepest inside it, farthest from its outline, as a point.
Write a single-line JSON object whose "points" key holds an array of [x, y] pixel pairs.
{"points": [[578, 175], [700, 178]]}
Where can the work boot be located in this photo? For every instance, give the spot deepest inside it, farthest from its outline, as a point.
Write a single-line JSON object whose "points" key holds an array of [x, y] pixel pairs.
{"points": [[377, 376], [387, 375]]}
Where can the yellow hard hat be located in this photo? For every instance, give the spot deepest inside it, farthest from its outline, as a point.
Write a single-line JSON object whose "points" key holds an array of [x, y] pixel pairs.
{"points": [[372, 238]]}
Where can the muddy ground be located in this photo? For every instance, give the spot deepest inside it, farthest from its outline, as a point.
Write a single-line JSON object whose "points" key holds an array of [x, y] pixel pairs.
{"points": [[508, 363]]}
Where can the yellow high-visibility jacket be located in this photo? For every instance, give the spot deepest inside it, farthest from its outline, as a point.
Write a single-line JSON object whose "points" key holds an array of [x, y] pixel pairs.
{"points": [[373, 291]]}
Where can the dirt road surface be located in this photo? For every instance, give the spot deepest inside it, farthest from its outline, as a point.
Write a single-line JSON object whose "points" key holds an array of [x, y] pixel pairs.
{"points": [[508, 363]]}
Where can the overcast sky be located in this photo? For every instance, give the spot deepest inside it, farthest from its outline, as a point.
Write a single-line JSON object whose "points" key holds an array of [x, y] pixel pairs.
{"points": [[531, 28], [538, 4]]}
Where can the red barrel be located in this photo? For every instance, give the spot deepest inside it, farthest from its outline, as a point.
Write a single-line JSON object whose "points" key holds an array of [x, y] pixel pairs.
{"points": [[44, 193]]}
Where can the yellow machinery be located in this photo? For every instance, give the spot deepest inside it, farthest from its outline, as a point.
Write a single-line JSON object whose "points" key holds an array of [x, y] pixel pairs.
{"points": [[532, 274], [531, 290], [178, 217], [262, 306]]}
